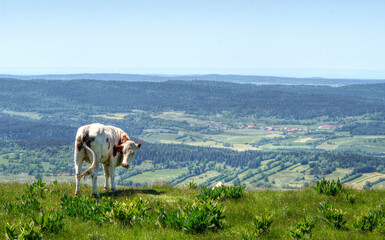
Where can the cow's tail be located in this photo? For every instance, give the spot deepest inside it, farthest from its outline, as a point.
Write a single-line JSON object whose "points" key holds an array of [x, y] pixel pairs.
{"points": [[89, 170]]}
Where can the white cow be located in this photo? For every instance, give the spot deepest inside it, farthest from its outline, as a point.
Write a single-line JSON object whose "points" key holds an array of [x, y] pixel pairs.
{"points": [[96, 143]]}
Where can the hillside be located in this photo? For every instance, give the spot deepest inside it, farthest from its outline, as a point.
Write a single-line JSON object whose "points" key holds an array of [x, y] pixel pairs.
{"points": [[270, 136], [147, 213]]}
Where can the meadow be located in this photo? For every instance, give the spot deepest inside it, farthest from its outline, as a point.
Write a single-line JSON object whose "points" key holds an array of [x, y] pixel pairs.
{"points": [[146, 213]]}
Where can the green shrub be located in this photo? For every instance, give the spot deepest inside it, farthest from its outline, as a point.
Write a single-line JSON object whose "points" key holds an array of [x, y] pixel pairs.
{"points": [[261, 225], [330, 188], [192, 185], [37, 188], [351, 198], [87, 208], [371, 220], [221, 193], [302, 230], [26, 206], [333, 216], [52, 222], [195, 217], [130, 213], [23, 231]]}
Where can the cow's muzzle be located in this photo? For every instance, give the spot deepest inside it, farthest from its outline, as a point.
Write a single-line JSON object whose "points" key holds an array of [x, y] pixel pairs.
{"points": [[125, 165]]}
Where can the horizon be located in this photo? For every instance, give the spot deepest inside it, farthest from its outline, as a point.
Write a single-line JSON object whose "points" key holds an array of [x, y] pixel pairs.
{"points": [[280, 73]]}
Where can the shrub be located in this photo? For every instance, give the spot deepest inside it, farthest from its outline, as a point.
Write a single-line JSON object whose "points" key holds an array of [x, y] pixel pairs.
{"points": [[302, 230], [52, 222], [351, 198], [192, 185], [371, 220], [330, 188], [130, 213], [23, 231], [366, 222], [221, 193], [27, 205], [261, 225], [333, 216], [87, 208], [195, 217]]}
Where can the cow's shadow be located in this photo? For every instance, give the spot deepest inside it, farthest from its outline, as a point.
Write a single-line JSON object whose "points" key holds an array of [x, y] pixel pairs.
{"points": [[129, 192]]}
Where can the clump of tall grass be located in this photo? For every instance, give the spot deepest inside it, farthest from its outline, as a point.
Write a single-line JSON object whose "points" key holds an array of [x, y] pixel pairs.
{"points": [[329, 188], [334, 217], [260, 225], [129, 213], [195, 217], [302, 229], [375, 218], [87, 208], [221, 193]]}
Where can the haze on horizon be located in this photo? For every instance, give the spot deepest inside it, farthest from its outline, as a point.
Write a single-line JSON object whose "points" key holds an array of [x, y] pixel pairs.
{"points": [[342, 39]]}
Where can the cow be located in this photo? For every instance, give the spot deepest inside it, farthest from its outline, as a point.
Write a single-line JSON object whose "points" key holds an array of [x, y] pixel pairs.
{"points": [[96, 143]]}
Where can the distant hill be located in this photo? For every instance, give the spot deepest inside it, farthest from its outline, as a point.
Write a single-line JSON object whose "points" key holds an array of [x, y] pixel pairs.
{"points": [[209, 77]]}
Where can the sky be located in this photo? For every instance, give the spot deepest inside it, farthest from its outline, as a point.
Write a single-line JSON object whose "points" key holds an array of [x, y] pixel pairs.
{"points": [[328, 38]]}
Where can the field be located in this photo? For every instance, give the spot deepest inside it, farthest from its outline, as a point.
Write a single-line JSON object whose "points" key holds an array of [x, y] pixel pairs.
{"points": [[286, 208]]}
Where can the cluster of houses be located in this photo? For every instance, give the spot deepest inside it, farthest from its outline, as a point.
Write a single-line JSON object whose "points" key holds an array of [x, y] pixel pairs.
{"points": [[273, 128], [266, 128]]}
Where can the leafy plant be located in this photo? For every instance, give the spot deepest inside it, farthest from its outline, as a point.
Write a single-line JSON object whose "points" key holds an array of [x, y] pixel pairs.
{"points": [[221, 193], [130, 213], [333, 216], [87, 208], [351, 198], [52, 222], [23, 231], [192, 185], [195, 217], [330, 188], [302, 230], [371, 220], [262, 223], [27, 205]]}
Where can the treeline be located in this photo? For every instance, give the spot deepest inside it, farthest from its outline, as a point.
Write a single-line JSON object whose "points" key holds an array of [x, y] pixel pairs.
{"points": [[369, 128], [198, 97]]}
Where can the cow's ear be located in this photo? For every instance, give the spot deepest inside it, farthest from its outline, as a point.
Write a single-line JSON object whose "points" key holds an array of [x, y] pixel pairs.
{"points": [[139, 144], [119, 148], [125, 138]]}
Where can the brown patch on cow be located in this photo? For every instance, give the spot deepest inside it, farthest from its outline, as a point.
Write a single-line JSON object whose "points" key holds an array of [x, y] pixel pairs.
{"points": [[79, 146], [117, 148], [125, 138]]}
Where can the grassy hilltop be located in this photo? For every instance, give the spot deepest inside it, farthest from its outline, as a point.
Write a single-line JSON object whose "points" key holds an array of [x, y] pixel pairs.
{"points": [[164, 212]]}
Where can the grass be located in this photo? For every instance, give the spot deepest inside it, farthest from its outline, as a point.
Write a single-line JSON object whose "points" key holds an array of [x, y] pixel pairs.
{"points": [[286, 208], [164, 175]]}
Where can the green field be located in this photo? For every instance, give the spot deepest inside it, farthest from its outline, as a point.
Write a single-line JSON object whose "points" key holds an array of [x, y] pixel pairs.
{"points": [[286, 209]]}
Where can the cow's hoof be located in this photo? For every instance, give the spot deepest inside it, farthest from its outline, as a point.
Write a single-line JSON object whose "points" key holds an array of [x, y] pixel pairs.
{"points": [[95, 195], [76, 194], [113, 189], [106, 188]]}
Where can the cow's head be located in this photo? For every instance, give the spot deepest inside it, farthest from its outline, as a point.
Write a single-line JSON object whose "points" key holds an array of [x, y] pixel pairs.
{"points": [[128, 149]]}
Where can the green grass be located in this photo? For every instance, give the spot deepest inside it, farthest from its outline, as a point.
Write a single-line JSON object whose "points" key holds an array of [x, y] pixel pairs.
{"points": [[164, 175], [286, 207]]}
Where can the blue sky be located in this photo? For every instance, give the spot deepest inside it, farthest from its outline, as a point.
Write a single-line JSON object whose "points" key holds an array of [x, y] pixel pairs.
{"points": [[277, 37]]}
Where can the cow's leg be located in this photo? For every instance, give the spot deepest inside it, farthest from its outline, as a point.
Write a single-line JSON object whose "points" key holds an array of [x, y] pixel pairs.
{"points": [[78, 162], [112, 176], [94, 176], [106, 169]]}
